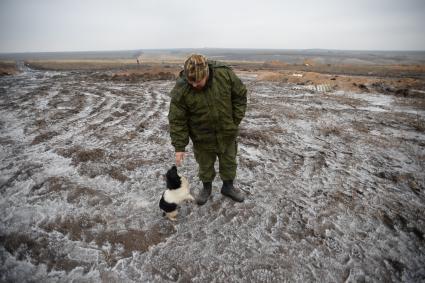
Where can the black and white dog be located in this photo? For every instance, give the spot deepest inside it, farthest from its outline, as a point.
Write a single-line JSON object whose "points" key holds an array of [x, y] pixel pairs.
{"points": [[177, 191]]}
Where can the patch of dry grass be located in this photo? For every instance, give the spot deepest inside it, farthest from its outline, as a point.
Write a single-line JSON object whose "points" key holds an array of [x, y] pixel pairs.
{"points": [[39, 250], [88, 155], [360, 127], [117, 174], [255, 136], [43, 137], [329, 129], [290, 114], [418, 124], [94, 197], [94, 229]]}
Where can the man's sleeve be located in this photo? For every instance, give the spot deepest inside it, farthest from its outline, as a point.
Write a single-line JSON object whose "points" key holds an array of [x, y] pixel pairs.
{"points": [[238, 98], [177, 118]]}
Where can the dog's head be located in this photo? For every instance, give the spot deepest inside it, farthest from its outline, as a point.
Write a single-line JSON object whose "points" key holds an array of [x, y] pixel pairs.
{"points": [[173, 179]]}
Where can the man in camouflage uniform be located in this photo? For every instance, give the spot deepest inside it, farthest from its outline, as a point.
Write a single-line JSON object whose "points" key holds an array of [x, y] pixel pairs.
{"points": [[208, 103]]}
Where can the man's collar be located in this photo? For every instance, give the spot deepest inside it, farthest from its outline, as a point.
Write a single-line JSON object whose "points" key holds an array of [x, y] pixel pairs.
{"points": [[210, 77]]}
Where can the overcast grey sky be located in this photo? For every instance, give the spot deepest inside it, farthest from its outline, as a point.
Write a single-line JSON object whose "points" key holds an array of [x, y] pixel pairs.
{"points": [[82, 25]]}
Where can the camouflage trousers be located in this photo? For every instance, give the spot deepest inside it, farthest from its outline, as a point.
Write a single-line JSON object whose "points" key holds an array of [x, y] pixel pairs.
{"points": [[226, 161]]}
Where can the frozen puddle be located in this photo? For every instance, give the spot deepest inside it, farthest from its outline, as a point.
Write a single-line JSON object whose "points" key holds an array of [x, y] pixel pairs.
{"points": [[334, 187]]}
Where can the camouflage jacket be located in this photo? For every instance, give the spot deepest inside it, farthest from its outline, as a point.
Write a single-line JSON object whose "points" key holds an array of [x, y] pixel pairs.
{"points": [[211, 116]]}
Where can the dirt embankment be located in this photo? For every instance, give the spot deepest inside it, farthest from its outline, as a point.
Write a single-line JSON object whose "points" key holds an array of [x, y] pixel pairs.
{"points": [[112, 70], [81, 65], [8, 69], [388, 85], [397, 71], [403, 80], [143, 75]]}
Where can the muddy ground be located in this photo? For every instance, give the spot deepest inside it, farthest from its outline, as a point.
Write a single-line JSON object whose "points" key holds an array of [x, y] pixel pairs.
{"points": [[334, 182]]}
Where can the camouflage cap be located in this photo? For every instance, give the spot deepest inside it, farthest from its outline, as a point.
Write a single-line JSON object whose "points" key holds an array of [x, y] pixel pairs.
{"points": [[196, 68]]}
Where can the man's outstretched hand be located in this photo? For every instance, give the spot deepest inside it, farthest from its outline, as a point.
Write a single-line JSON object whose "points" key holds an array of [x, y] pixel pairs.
{"points": [[179, 158]]}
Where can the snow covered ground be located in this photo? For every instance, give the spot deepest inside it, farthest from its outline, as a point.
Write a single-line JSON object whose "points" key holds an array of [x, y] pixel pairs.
{"points": [[334, 187]]}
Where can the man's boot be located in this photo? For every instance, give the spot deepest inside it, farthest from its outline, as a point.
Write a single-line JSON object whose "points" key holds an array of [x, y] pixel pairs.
{"points": [[205, 193], [231, 192]]}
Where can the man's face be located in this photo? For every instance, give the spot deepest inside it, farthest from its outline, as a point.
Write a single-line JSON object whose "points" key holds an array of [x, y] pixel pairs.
{"points": [[199, 85]]}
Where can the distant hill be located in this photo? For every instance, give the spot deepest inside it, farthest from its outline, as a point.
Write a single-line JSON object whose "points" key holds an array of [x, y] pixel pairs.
{"points": [[92, 55], [289, 56]]}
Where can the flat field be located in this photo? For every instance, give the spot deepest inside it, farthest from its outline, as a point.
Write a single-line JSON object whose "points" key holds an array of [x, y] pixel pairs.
{"points": [[332, 162]]}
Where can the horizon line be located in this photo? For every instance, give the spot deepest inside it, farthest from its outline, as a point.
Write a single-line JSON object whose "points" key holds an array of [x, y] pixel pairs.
{"points": [[216, 48]]}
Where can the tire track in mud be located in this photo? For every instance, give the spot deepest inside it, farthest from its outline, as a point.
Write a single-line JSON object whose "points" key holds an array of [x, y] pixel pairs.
{"points": [[100, 108], [261, 132], [279, 131], [72, 122], [152, 111], [73, 109]]}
